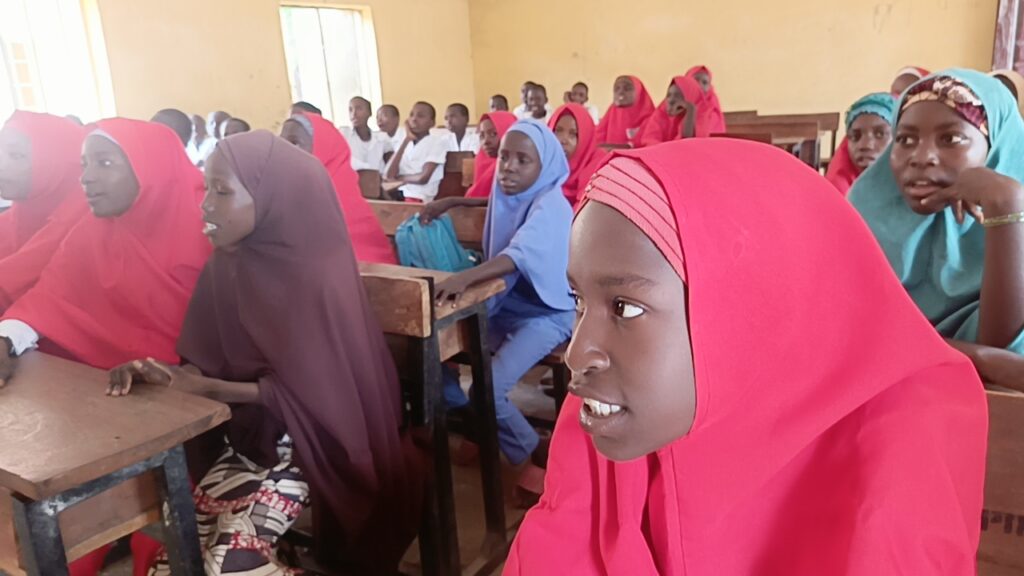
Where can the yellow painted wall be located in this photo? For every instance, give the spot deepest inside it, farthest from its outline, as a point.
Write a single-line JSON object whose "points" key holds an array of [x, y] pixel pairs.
{"points": [[776, 56], [202, 55]]}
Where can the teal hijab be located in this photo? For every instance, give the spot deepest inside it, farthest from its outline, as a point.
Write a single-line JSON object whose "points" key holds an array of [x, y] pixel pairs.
{"points": [[880, 104], [938, 260]]}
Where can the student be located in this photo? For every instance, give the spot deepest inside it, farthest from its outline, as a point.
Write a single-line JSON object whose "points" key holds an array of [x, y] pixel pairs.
{"points": [[118, 286], [1014, 82], [456, 119], [498, 103], [40, 164], [368, 147], [333, 401], [574, 129], [303, 107], [526, 239], [234, 126], [525, 110], [388, 120], [580, 94], [175, 120], [419, 160], [868, 135], [680, 115], [521, 110], [317, 136], [905, 77], [201, 144], [630, 109], [215, 123], [493, 127], [537, 107], [716, 121], [675, 455], [956, 151]]}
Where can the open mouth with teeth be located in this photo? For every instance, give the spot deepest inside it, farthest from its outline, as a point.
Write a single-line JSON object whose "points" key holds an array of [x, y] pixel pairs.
{"points": [[598, 409], [210, 228]]}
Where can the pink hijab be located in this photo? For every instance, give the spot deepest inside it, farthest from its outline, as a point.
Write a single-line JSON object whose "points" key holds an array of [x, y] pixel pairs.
{"points": [[833, 434], [618, 121], [661, 127], [585, 160], [716, 119]]}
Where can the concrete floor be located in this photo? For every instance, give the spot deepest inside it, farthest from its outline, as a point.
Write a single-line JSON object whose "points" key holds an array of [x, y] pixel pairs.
{"points": [[468, 493]]}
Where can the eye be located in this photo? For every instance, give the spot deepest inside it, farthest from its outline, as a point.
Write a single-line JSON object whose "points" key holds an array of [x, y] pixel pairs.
{"points": [[905, 140], [626, 310], [954, 139], [106, 163]]}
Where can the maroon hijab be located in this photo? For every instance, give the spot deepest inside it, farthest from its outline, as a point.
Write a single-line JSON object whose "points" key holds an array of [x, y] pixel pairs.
{"points": [[287, 309]]}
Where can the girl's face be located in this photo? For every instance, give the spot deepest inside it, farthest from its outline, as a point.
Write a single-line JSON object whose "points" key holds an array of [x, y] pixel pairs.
{"points": [[933, 145], [624, 92], [107, 177], [704, 80], [869, 135], [567, 132], [15, 165], [518, 163], [228, 209], [630, 353], [675, 100], [489, 138]]}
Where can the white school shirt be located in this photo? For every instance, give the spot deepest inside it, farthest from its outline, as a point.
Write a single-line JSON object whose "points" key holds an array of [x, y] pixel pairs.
{"points": [[470, 142], [367, 155], [198, 155], [520, 112], [430, 148], [22, 336], [594, 112]]}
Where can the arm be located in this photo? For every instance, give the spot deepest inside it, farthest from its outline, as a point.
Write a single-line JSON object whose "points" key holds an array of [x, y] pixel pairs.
{"points": [[421, 178], [186, 379], [453, 287], [1001, 309], [437, 208], [689, 121], [994, 365], [395, 160]]}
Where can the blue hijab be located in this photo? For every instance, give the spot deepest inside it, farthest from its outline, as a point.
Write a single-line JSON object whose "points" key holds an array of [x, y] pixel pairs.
{"points": [[880, 104], [938, 260], [532, 227]]}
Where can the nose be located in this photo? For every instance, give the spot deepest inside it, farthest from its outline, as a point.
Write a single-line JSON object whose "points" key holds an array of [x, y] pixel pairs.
{"points": [[585, 355], [87, 176], [924, 154]]}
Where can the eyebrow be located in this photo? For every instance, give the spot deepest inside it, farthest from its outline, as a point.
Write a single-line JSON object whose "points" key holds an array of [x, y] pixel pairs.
{"points": [[627, 279]]}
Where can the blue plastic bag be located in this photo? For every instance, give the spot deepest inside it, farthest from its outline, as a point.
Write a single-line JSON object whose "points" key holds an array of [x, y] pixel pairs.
{"points": [[433, 247]]}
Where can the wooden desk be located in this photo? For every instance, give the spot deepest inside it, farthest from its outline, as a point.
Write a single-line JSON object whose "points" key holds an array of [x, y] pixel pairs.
{"points": [[370, 183], [804, 135], [79, 469], [1001, 551], [452, 182], [422, 336]]}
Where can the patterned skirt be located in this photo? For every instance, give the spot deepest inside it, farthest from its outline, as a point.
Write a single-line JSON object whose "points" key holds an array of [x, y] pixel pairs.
{"points": [[242, 511]]}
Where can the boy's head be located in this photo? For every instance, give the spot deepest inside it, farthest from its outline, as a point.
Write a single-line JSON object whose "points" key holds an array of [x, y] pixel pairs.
{"points": [[498, 103], [305, 108], [580, 93], [456, 118], [537, 101], [523, 92], [234, 126], [422, 118], [388, 119], [175, 120], [359, 111]]}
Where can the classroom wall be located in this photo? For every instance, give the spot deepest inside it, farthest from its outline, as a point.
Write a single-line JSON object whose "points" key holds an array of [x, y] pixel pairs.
{"points": [[781, 56], [202, 55]]}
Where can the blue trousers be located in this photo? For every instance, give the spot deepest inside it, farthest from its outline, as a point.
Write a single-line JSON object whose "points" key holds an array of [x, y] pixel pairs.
{"points": [[519, 338]]}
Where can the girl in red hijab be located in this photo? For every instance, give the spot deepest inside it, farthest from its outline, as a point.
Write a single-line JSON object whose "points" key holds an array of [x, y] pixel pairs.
{"points": [[842, 171], [682, 114], [320, 138], [631, 107], [574, 129], [40, 162], [118, 286], [716, 119], [766, 440], [493, 126]]}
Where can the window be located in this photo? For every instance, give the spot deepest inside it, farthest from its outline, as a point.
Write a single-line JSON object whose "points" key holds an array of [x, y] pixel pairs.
{"points": [[47, 61], [332, 56]]}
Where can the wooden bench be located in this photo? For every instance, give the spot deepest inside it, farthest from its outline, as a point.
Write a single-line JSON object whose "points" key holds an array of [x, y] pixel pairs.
{"points": [[762, 137], [467, 221], [828, 122], [79, 469], [740, 116], [1001, 552], [801, 137], [451, 183]]}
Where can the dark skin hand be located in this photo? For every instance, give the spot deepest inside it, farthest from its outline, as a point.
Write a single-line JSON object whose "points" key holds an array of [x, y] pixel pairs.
{"points": [[452, 289], [437, 208], [995, 366], [688, 122], [186, 379], [8, 363], [981, 192]]}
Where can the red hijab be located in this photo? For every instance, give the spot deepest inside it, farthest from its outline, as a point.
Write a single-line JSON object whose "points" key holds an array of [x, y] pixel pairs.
{"points": [[325, 374], [842, 172], [33, 228], [661, 127], [716, 119], [587, 155], [117, 288], [368, 238], [483, 164], [617, 121], [833, 434]]}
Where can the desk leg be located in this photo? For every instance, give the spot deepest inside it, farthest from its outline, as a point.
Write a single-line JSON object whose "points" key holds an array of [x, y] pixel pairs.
{"points": [[439, 535], [490, 460], [40, 541], [181, 534]]}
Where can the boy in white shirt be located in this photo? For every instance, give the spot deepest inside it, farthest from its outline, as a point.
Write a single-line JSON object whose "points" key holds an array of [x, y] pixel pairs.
{"points": [[537, 104], [456, 119], [419, 162], [498, 103], [523, 110], [388, 120], [368, 147], [580, 94]]}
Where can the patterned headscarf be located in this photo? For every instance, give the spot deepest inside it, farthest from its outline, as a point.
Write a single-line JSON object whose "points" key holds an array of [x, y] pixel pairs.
{"points": [[953, 93]]}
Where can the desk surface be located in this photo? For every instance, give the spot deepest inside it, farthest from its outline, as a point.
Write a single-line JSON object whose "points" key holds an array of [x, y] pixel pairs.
{"points": [[58, 429], [475, 295]]}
